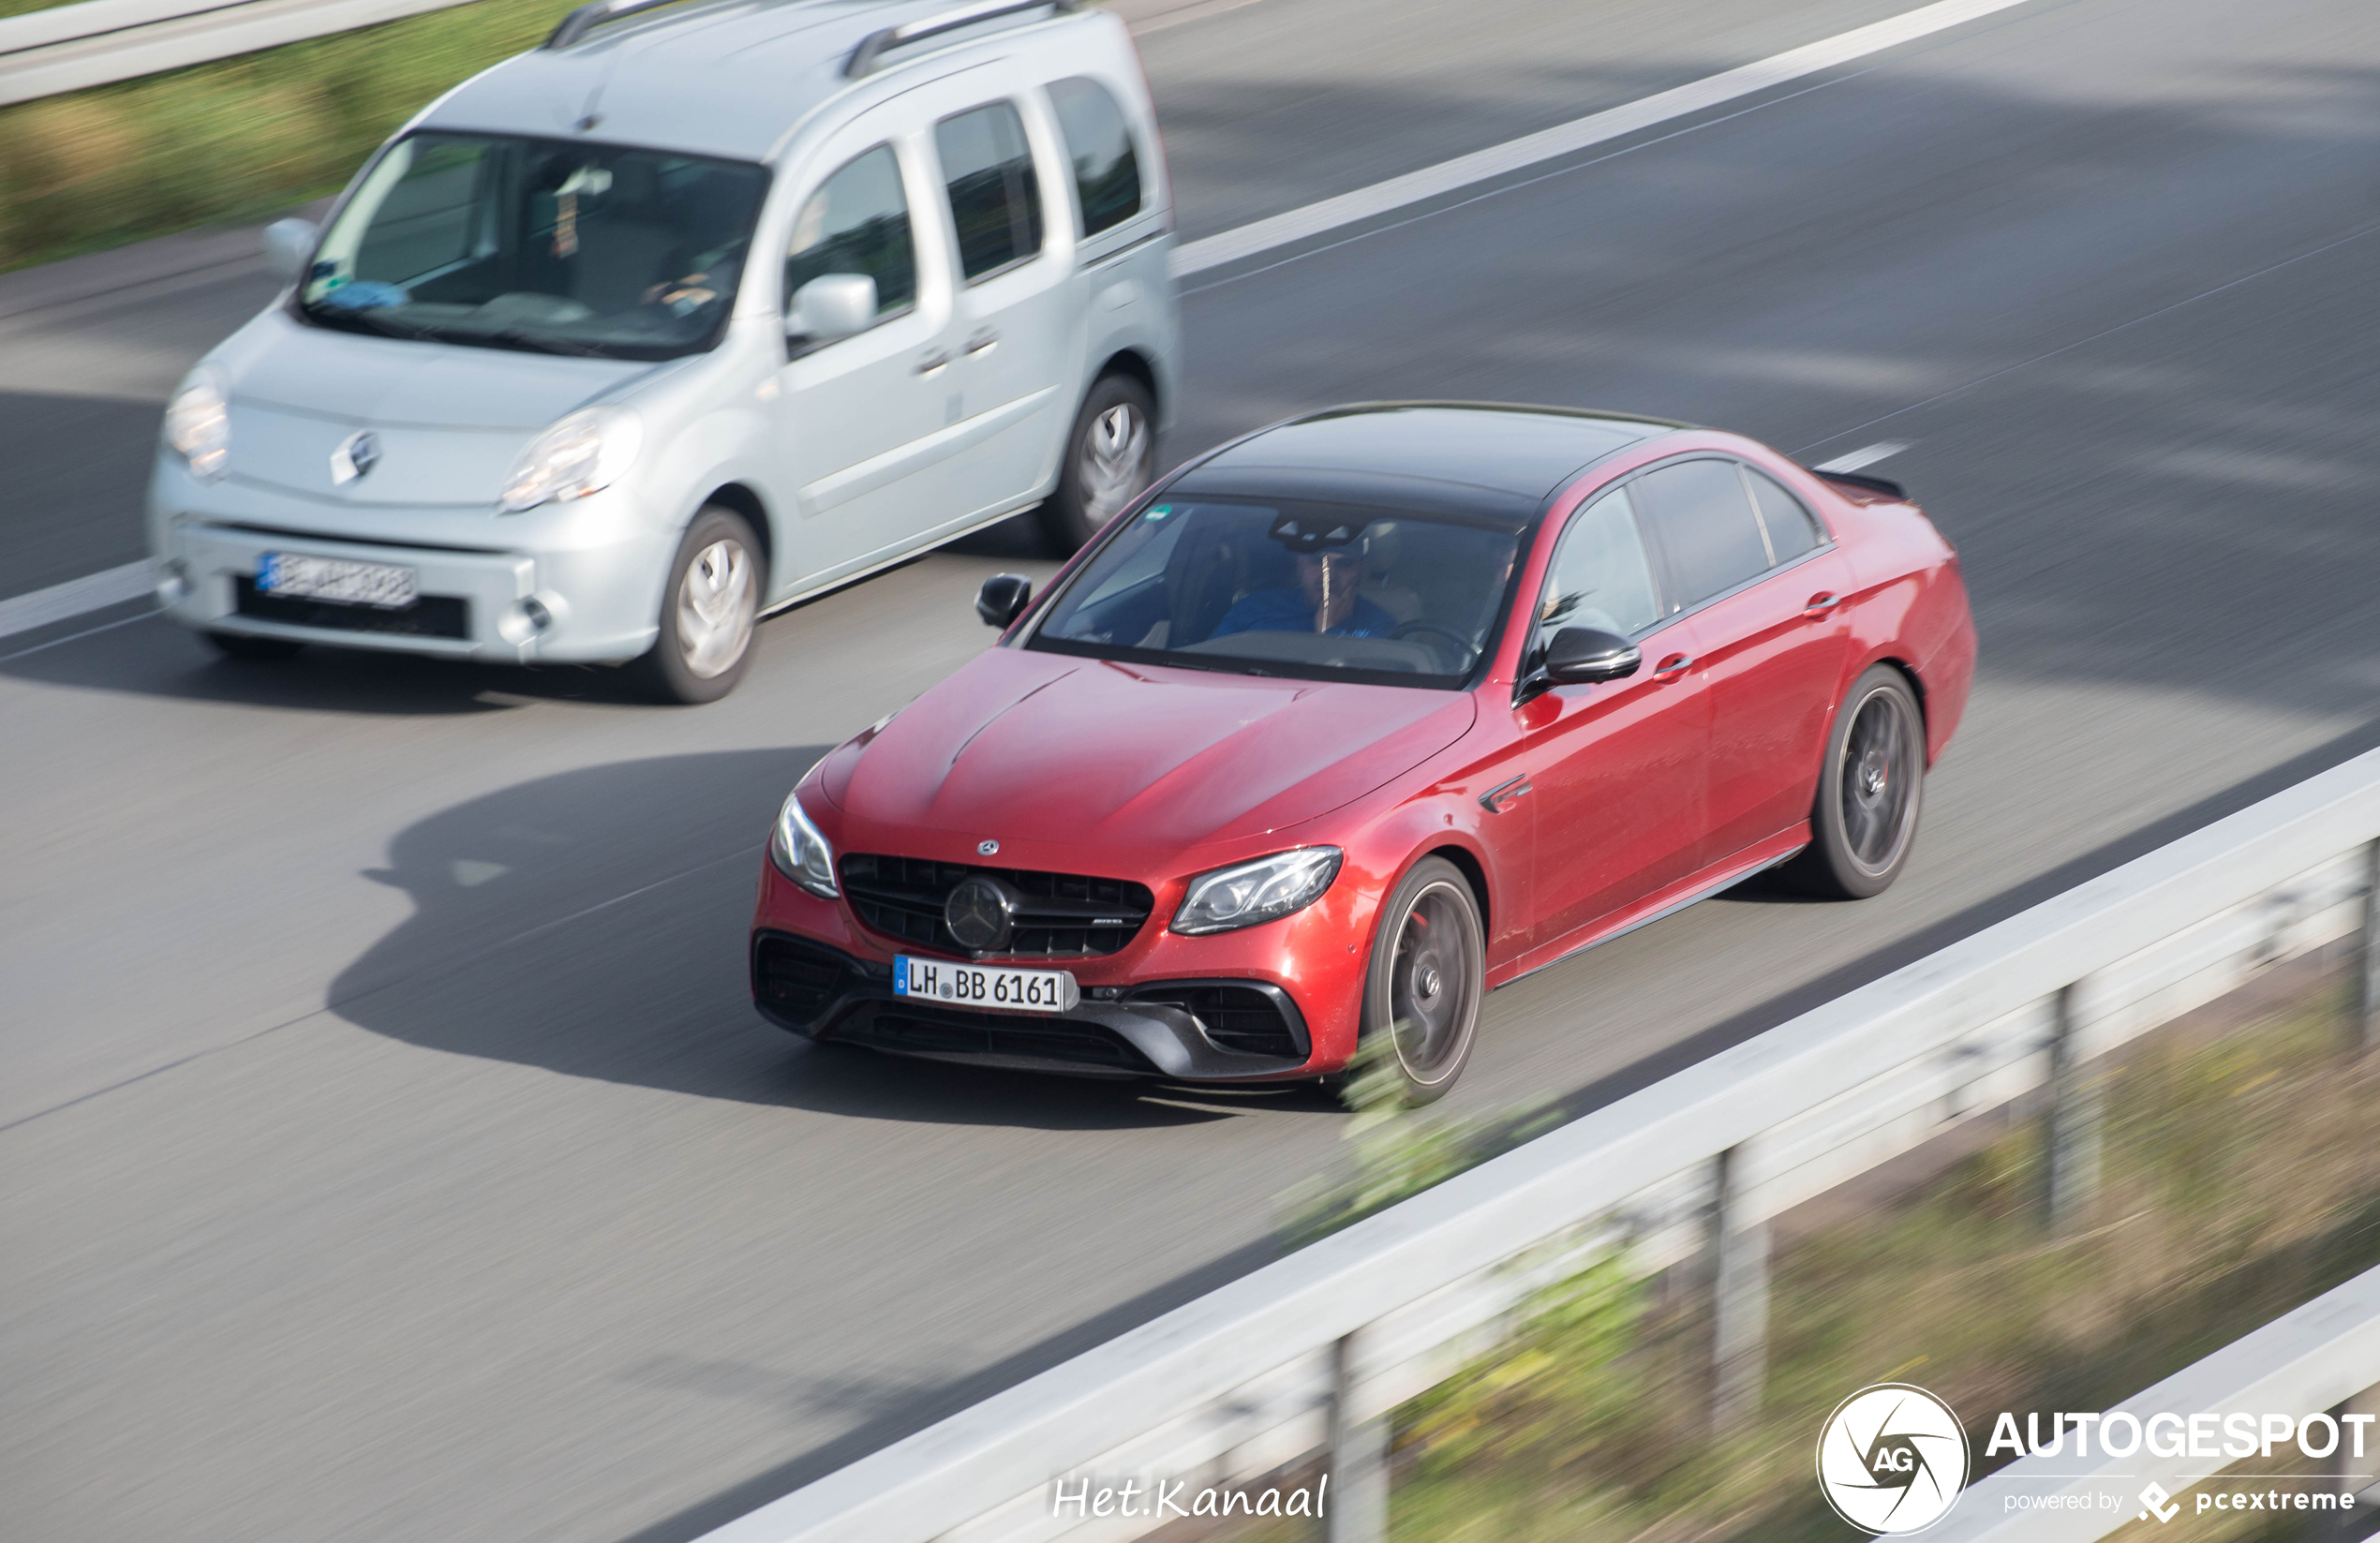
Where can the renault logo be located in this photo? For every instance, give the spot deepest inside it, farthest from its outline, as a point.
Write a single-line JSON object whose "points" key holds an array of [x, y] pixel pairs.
{"points": [[357, 454], [979, 913]]}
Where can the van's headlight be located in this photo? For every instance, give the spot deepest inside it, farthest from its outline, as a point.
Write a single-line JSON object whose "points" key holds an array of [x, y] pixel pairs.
{"points": [[800, 853], [198, 424], [1245, 893], [585, 453]]}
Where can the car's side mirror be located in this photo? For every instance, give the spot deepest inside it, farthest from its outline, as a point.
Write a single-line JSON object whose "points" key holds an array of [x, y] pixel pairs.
{"points": [[832, 305], [1003, 599], [1578, 655], [287, 243]]}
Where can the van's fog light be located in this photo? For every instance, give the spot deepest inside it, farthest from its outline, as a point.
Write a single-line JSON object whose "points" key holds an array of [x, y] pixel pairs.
{"points": [[173, 582], [525, 618]]}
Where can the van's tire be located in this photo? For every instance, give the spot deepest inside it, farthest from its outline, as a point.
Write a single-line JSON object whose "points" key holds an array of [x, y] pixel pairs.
{"points": [[240, 646], [1870, 787], [709, 611], [1425, 985], [1111, 457]]}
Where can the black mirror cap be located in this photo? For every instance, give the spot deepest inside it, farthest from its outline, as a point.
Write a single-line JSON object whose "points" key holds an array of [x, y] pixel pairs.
{"points": [[1003, 599], [1578, 655]]}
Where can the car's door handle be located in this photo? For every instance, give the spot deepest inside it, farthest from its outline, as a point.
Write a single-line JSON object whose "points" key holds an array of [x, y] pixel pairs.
{"points": [[933, 364], [1674, 666], [983, 342], [1821, 603], [1505, 795]]}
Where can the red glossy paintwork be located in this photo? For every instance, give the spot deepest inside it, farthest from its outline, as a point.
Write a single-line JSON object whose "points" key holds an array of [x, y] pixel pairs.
{"points": [[1643, 792]]}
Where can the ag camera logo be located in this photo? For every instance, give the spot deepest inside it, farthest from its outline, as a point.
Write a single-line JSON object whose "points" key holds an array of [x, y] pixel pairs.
{"points": [[1892, 1458]]}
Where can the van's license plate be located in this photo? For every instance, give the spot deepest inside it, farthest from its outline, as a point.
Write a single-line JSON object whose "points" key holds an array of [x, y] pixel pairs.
{"points": [[302, 577], [985, 985]]}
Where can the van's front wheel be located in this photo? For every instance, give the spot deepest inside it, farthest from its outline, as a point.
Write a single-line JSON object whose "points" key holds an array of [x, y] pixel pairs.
{"points": [[1111, 456], [707, 611]]}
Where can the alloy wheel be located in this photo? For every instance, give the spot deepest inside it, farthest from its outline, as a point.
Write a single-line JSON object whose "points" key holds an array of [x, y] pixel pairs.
{"points": [[1433, 986], [1879, 782]]}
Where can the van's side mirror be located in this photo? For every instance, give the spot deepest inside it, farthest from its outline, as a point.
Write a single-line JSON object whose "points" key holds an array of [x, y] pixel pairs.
{"points": [[1003, 599], [832, 305], [1580, 654], [287, 243]]}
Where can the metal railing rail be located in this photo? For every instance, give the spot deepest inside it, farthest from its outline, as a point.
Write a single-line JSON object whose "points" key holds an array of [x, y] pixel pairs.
{"points": [[98, 42], [1312, 1350]]}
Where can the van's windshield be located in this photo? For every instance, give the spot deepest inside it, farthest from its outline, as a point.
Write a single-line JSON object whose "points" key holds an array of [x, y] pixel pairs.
{"points": [[504, 241]]}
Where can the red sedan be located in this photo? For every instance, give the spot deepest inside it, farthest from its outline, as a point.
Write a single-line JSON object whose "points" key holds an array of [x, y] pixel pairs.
{"points": [[1351, 721]]}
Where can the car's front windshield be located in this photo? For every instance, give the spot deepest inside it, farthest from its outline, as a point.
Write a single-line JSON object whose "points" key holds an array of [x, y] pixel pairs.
{"points": [[1291, 587], [504, 241]]}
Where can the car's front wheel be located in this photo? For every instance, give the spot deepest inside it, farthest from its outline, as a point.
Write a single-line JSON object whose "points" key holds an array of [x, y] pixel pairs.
{"points": [[709, 610], [1423, 991], [1865, 820], [1111, 456]]}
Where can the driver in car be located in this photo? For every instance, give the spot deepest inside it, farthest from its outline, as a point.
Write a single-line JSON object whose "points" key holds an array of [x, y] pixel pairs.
{"points": [[1325, 600]]}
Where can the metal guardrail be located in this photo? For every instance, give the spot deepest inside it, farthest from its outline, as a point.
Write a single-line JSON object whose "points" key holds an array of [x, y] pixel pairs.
{"points": [[1310, 1351], [96, 42]]}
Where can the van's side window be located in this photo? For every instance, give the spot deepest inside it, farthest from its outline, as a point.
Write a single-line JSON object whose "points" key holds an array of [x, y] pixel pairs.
{"points": [[857, 222], [1099, 142], [995, 198]]}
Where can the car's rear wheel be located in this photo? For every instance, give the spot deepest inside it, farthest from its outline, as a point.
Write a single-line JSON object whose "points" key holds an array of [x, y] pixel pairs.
{"points": [[240, 646], [1427, 977], [709, 610], [1865, 820], [1111, 456]]}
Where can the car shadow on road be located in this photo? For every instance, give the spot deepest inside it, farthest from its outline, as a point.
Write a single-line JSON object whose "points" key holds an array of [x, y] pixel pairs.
{"points": [[594, 923]]}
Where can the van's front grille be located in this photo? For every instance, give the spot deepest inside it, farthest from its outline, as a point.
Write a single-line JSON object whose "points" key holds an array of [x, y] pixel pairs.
{"points": [[427, 616], [1057, 915]]}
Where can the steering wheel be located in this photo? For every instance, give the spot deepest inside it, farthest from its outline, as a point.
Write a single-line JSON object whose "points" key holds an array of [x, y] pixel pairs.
{"points": [[1461, 644]]}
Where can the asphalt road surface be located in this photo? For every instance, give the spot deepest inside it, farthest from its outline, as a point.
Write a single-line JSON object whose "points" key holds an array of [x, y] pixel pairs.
{"points": [[388, 1148]]}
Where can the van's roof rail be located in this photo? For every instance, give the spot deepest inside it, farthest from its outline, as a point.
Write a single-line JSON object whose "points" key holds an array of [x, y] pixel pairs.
{"points": [[874, 46], [587, 18]]}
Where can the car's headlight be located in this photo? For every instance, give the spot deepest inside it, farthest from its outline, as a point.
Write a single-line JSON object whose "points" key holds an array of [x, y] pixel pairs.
{"points": [[585, 453], [1248, 893], [198, 424], [800, 853]]}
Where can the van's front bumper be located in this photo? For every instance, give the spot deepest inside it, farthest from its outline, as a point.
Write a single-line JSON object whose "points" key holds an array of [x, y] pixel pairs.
{"points": [[577, 585]]}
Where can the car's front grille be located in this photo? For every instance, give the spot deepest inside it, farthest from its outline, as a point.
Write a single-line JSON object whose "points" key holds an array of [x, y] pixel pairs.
{"points": [[928, 1030], [1245, 1018], [795, 981], [1058, 914], [427, 616]]}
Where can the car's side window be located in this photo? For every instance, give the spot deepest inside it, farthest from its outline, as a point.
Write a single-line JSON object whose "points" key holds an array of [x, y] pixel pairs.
{"points": [[857, 222], [1599, 577], [1793, 529], [1703, 523], [995, 198], [1099, 144]]}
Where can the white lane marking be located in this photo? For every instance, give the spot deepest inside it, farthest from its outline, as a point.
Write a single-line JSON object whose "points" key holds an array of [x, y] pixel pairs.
{"points": [[1879, 450], [60, 601], [1580, 133]]}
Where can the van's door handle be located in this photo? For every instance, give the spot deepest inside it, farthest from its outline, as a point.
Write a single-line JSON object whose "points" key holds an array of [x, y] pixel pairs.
{"points": [[983, 342], [1674, 666], [1821, 603], [933, 364]]}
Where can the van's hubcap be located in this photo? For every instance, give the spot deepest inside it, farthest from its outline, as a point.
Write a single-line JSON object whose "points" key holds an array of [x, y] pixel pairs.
{"points": [[1115, 461], [715, 606]]}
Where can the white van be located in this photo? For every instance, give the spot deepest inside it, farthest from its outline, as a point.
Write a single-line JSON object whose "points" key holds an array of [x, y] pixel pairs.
{"points": [[681, 319]]}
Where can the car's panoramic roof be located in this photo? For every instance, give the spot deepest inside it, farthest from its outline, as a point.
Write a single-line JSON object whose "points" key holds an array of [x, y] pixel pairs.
{"points": [[727, 79], [1483, 459]]}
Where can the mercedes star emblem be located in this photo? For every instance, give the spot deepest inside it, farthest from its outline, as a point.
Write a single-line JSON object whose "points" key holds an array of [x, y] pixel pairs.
{"points": [[979, 913], [987, 848]]}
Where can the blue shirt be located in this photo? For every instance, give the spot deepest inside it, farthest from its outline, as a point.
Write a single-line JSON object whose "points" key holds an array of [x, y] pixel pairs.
{"points": [[1289, 611]]}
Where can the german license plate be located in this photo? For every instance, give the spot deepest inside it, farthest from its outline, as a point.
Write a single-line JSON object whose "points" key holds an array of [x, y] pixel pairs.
{"points": [[302, 577], [985, 985]]}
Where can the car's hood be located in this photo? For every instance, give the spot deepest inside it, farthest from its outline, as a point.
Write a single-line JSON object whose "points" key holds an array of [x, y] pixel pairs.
{"points": [[1047, 748], [449, 419]]}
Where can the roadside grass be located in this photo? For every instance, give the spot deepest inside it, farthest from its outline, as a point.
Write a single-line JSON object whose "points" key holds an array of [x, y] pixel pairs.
{"points": [[2241, 1178], [236, 139]]}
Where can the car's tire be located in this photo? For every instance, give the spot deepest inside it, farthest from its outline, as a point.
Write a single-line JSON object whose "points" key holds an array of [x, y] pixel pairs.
{"points": [[1111, 456], [709, 611], [1423, 990], [240, 646], [1869, 791]]}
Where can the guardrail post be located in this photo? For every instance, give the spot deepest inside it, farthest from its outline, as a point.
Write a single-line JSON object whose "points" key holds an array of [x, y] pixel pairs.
{"points": [[2349, 1472], [1357, 1508], [2073, 1120], [1739, 1305], [2364, 1032]]}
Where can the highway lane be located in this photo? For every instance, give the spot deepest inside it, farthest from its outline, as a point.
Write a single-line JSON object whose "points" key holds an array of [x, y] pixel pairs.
{"points": [[487, 1208]]}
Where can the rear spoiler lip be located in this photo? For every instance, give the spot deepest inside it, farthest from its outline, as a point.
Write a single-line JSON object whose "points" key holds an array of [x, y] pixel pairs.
{"points": [[1884, 485]]}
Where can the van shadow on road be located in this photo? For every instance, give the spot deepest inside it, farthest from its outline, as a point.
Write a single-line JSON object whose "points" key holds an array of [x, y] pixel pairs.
{"points": [[594, 923]]}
